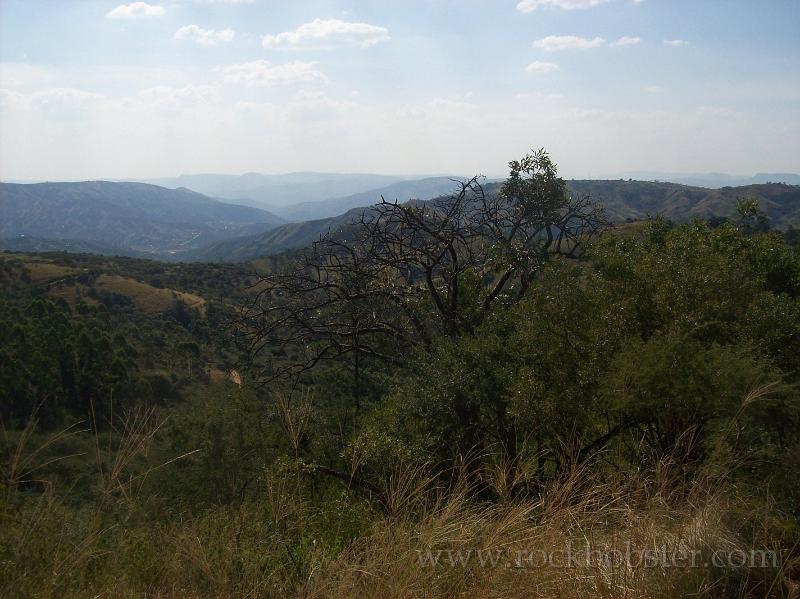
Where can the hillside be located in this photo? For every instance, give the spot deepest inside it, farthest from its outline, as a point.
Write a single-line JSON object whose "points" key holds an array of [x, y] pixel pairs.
{"points": [[74, 246], [240, 429], [636, 200], [156, 446], [132, 218], [138, 219], [714, 180], [623, 201], [274, 191], [286, 237], [423, 189]]}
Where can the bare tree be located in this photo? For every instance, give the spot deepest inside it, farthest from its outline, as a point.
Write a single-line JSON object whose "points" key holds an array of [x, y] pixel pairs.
{"points": [[404, 274]]}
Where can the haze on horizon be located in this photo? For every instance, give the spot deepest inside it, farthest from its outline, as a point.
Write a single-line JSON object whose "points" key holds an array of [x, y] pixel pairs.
{"points": [[116, 89]]}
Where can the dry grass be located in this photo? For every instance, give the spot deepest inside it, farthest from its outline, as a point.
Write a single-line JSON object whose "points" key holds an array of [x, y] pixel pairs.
{"points": [[147, 297], [280, 544], [265, 549], [40, 271], [520, 549]]}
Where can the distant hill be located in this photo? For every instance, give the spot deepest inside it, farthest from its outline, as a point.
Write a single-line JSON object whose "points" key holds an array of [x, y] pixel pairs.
{"points": [[274, 191], [142, 220], [636, 200], [286, 237], [714, 180], [623, 200], [130, 218], [423, 189], [27, 244]]}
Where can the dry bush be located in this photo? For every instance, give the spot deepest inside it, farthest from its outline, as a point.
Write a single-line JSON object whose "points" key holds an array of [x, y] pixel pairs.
{"points": [[283, 544], [484, 550]]}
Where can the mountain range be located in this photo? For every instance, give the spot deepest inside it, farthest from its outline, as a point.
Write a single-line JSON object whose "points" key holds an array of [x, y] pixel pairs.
{"points": [[638, 200], [274, 192], [129, 218], [422, 189], [145, 220], [713, 180], [622, 200]]}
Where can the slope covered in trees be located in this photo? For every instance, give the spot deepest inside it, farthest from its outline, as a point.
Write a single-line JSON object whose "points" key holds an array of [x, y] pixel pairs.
{"points": [[276, 191], [134, 217], [639, 200], [490, 374], [423, 189], [623, 201]]}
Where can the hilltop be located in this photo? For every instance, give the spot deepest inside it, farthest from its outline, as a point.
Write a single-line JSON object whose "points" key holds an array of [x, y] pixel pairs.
{"points": [[143, 220], [623, 201], [125, 218], [275, 191], [422, 189]]}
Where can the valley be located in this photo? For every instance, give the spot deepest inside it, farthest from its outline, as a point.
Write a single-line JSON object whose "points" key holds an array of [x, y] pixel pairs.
{"points": [[427, 299], [144, 220], [255, 398]]}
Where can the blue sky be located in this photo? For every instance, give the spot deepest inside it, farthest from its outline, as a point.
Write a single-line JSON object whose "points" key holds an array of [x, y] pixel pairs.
{"points": [[96, 88]]}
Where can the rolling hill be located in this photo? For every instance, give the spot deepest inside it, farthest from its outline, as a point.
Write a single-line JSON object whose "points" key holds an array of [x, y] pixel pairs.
{"points": [[286, 237], [137, 219], [24, 243], [274, 191], [623, 201], [423, 189], [714, 180], [637, 200], [125, 218]]}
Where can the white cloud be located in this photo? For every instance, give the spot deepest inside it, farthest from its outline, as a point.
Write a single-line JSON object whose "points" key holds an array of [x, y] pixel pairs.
{"points": [[452, 106], [537, 96], [626, 40], [328, 32], [719, 112], [135, 10], [163, 97], [676, 43], [531, 5], [64, 97], [311, 114], [204, 37], [9, 96], [310, 130], [554, 43], [538, 66], [25, 75], [264, 73], [654, 89], [63, 103]]}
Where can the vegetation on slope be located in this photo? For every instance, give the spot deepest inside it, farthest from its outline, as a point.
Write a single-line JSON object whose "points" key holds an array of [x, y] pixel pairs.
{"points": [[131, 217], [638, 395], [624, 201], [423, 189], [276, 191]]}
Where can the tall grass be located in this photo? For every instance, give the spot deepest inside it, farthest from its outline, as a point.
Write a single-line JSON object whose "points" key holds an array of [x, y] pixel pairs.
{"points": [[130, 542], [501, 550]]}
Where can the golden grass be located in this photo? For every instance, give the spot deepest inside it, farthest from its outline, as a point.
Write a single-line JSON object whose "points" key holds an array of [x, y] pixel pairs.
{"points": [[626, 543], [147, 297], [262, 548], [43, 271], [629, 536], [71, 294]]}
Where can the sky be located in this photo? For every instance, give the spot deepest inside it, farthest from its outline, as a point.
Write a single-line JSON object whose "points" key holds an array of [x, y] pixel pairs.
{"points": [[95, 89]]}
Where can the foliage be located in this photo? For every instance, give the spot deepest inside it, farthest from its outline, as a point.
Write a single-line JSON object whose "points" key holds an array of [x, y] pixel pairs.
{"points": [[638, 386], [657, 341], [411, 273]]}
